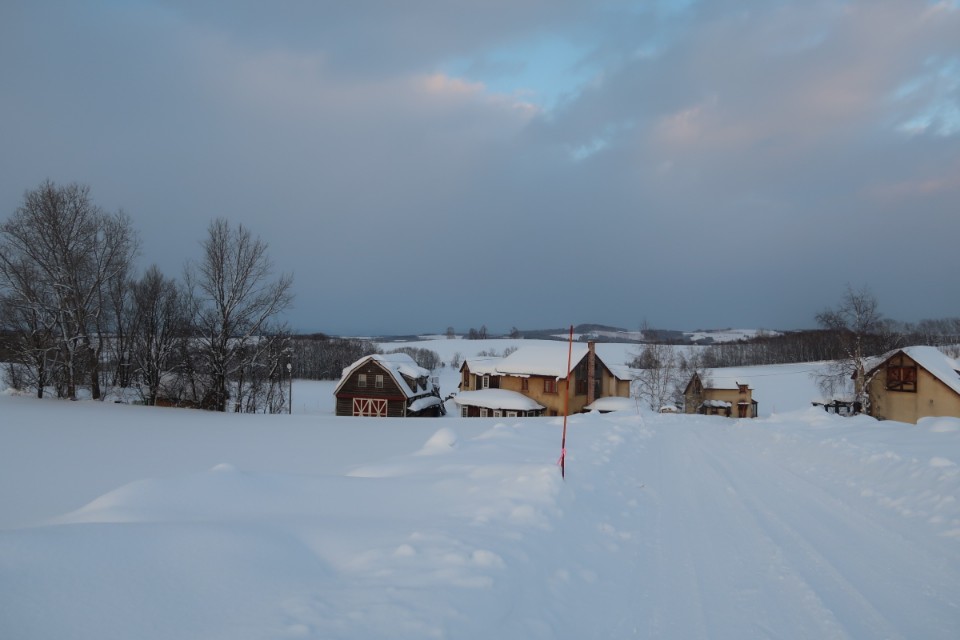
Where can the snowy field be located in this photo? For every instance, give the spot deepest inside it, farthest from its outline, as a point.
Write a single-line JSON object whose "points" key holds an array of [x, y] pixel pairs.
{"points": [[129, 522]]}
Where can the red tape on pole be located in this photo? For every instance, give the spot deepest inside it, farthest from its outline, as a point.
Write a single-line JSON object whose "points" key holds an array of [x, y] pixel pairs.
{"points": [[566, 409]]}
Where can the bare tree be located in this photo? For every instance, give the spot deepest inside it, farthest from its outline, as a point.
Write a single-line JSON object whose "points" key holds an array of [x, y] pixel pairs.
{"points": [[860, 331], [158, 329], [73, 253], [659, 376], [234, 302]]}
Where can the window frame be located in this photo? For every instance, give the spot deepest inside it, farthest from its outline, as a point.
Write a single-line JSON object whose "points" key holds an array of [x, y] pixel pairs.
{"points": [[901, 378]]}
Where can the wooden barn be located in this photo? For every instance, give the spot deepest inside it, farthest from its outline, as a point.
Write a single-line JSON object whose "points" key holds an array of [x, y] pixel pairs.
{"points": [[387, 386]]}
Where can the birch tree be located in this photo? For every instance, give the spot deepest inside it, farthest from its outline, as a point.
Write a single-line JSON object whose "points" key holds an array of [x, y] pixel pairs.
{"points": [[59, 256], [861, 332], [234, 301]]}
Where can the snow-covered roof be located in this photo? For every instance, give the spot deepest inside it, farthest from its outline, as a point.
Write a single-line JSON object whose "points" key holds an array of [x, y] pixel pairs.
{"points": [[397, 365], [612, 403], [550, 360], [727, 378], [620, 371], [716, 403], [939, 364], [542, 360], [497, 399], [484, 366], [423, 403]]}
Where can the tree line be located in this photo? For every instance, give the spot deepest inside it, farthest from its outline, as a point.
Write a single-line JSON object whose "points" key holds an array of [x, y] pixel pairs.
{"points": [[321, 357], [77, 315], [847, 337]]}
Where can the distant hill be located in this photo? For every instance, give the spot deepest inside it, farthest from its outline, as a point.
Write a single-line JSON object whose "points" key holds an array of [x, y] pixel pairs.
{"points": [[606, 333]]}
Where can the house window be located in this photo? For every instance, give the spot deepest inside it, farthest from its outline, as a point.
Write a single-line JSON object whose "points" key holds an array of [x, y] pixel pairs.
{"points": [[486, 382], [379, 381], [483, 412], [511, 414], [581, 387], [549, 385], [362, 380], [524, 384], [902, 378], [466, 379], [497, 413], [464, 412]]}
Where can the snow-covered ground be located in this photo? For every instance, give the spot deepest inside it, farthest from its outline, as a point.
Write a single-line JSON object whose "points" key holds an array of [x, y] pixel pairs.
{"points": [[130, 522]]}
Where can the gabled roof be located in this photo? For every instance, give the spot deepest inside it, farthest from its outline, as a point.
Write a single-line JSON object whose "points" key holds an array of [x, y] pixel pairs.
{"points": [[940, 365], [482, 366], [727, 378], [497, 399], [549, 360], [397, 365], [542, 360]]}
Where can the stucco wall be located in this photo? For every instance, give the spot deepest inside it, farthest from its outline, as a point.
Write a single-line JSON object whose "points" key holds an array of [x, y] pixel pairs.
{"points": [[932, 398]]}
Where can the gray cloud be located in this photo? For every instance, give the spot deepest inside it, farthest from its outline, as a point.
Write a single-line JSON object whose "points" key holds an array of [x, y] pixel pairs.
{"points": [[727, 164]]}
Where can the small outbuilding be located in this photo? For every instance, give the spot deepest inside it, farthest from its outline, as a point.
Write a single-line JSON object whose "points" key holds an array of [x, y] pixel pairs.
{"points": [[387, 385]]}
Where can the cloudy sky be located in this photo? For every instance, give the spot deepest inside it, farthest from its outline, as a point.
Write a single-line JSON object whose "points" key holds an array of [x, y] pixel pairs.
{"points": [[526, 163]]}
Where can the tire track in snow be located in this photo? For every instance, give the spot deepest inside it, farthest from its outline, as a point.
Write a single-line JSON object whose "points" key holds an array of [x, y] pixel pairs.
{"points": [[849, 562]]}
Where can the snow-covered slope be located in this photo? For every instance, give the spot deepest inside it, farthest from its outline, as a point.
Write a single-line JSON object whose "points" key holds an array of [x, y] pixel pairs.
{"points": [[129, 522]]}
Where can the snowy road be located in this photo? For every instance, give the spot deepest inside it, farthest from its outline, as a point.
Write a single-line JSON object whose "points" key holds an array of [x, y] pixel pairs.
{"points": [[724, 529], [793, 527]]}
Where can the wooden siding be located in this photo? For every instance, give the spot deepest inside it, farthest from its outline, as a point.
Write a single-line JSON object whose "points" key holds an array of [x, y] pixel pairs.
{"points": [[350, 389]]}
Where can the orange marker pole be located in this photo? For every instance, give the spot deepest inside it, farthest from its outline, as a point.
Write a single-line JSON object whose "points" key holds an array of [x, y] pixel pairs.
{"points": [[566, 408]]}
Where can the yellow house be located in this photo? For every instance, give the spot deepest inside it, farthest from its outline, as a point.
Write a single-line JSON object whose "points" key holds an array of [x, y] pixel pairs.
{"points": [[719, 392], [913, 383], [539, 372]]}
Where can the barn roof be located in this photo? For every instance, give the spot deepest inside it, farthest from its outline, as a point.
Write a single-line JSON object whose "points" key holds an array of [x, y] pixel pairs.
{"points": [[397, 365]]}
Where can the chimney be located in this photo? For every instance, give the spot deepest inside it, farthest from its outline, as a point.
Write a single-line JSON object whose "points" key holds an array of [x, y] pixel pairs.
{"points": [[591, 370]]}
